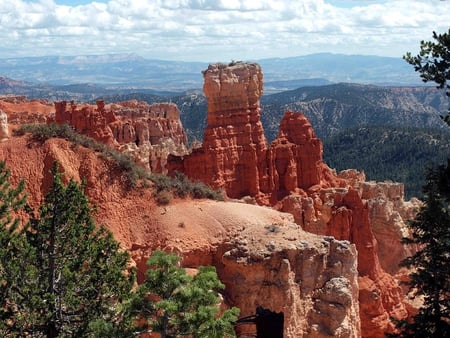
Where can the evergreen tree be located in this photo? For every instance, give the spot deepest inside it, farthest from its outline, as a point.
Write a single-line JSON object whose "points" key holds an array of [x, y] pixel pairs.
{"points": [[12, 200], [433, 62], [430, 277], [68, 275], [175, 304]]}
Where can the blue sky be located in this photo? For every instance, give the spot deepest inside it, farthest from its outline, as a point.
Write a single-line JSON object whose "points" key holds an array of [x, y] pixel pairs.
{"points": [[218, 30]]}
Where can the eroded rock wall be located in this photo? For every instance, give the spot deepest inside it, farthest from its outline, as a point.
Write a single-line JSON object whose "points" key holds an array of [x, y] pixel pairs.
{"points": [[290, 175], [4, 129], [311, 279], [149, 133], [389, 212]]}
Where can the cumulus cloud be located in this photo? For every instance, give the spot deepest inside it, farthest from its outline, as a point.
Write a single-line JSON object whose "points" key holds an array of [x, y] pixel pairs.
{"points": [[219, 30]]}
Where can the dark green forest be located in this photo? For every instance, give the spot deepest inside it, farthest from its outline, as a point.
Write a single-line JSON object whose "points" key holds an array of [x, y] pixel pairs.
{"points": [[389, 153]]}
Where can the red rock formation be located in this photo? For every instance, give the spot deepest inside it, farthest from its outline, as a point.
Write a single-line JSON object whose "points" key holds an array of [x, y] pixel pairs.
{"points": [[295, 159], [232, 155], [141, 123], [291, 175], [21, 110], [260, 253], [389, 212], [87, 120], [149, 133], [312, 280]]}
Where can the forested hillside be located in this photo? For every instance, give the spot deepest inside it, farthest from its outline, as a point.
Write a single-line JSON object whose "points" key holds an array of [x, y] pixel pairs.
{"points": [[337, 107], [399, 154]]}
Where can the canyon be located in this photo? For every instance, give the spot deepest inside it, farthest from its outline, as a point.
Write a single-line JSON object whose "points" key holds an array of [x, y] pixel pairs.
{"points": [[293, 235]]}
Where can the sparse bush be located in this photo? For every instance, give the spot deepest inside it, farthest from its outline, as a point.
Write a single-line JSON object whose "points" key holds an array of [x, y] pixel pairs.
{"points": [[180, 185], [163, 197], [201, 190], [161, 182]]}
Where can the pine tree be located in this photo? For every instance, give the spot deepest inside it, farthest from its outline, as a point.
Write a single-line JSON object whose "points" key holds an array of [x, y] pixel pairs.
{"points": [[433, 63], [175, 304], [430, 277], [12, 200], [72, 274]]}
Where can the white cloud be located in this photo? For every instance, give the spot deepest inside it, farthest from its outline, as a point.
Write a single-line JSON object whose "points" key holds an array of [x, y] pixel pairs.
{"points": [[219, 30]]}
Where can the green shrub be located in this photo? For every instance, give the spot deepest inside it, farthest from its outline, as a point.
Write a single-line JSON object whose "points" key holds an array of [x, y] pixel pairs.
{"points": [[182, 187], [161, 182]]}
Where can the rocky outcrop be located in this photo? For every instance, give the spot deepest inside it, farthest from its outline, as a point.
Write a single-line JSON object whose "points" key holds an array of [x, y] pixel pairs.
{"points": [[260, 253], [311, 279], [388, 213], [141, 123], [295, 159], [290, 175], [4, 129], [262, 256], [232, 154], [86, 119], [20, 110], [149, 133]]}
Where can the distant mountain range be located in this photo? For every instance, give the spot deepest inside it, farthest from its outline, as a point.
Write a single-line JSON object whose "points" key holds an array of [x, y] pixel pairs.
{"points": [[134, 72]]}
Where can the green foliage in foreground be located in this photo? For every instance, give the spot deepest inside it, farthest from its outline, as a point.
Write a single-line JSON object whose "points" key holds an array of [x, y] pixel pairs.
{"points": [[433, 60], [165, 186], [389, 153], [431, 269], [174, 304], [181, 187], [60, 273]]}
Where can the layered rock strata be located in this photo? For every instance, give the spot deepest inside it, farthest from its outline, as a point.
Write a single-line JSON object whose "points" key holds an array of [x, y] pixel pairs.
{"points": [[388, 213], [232, 154], [311, 279], [290, 175], [20, 110], [149, 133]]}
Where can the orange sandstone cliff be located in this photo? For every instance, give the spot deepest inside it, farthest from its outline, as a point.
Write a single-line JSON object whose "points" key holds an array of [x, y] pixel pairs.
{"points": [[149, 133], [290, 175]]}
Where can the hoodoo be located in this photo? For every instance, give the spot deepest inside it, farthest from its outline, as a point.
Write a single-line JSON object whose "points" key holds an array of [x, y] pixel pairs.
{"points": [[232, 156], [290, 175]]}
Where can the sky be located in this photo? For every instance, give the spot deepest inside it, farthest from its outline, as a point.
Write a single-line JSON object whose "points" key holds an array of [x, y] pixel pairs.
{"points": [[218, 30]]}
